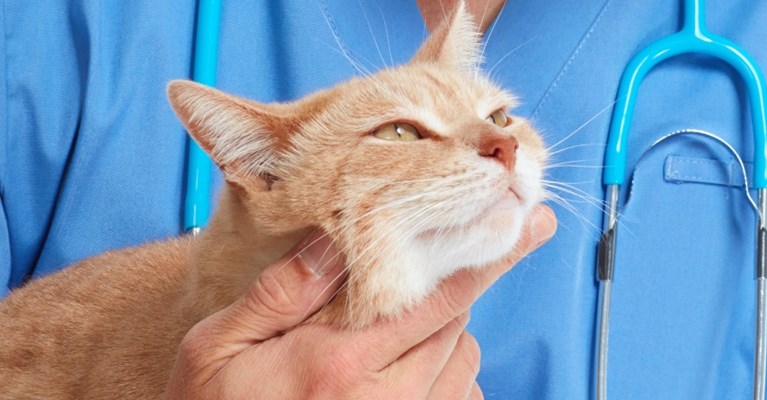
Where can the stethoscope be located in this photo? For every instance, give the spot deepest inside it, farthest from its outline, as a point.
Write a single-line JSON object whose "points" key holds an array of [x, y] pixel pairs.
{"points": [[692, 38]]}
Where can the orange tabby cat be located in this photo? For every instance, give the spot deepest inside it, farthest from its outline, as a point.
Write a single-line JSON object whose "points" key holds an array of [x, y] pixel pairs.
{"points": [[414, 172]]}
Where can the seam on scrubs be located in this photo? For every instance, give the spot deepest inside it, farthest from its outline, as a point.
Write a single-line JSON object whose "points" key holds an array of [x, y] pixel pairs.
{"points": [[337, 36], [4, 132], [5, 265], [681, 169], [63, 204], [573, 56]]}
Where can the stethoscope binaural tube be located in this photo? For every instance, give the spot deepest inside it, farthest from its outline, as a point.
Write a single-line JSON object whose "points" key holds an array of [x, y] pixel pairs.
{"points": [[692, 38], [198, 165]]}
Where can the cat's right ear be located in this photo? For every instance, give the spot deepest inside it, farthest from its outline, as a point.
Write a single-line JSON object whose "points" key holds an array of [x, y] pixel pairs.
{"points": [[241, 136]]}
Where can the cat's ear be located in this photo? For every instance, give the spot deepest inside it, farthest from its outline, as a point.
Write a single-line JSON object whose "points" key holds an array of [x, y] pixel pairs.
{"points": [[241, 136], [456, 42]]}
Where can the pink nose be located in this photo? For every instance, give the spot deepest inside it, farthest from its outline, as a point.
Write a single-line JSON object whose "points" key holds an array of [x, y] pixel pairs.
{"points": [[502, 148]]}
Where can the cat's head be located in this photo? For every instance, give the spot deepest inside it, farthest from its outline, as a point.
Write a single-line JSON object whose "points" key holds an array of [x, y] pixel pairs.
{"points": [[414, 171]]}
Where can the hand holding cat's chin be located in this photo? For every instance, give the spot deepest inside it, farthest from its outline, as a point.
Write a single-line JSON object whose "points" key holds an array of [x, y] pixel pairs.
{"points": [[261, 347]]}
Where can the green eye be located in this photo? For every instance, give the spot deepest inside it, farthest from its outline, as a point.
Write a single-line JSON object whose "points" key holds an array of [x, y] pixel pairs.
{"points": [[499, 118], [399, 132]]}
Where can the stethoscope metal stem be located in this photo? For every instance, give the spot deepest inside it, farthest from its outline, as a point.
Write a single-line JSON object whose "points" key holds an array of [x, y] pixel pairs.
{"points": [[760, 358], [605, 269], [605, 289]]}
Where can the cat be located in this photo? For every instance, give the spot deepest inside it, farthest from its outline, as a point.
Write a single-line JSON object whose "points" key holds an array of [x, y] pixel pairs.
{"points": [[415, 172]]}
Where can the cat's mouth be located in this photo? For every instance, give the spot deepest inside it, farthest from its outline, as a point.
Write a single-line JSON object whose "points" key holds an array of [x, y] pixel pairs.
{"points": [[510, 200], [515, 193]]}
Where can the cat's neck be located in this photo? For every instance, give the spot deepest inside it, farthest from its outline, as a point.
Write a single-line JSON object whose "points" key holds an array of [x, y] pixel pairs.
{"points": [[231, 252]]}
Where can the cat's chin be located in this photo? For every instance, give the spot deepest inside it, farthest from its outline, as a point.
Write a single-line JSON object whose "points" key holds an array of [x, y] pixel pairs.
{"points": [[408, 275], [486, 239]]}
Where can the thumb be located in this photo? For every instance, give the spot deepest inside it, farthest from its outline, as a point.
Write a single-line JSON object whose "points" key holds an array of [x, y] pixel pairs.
{"points": [[284, 295]]}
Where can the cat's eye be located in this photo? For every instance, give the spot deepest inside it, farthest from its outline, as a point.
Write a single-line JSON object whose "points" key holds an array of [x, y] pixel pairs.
{"points": [[499, 118], [399, 131]]}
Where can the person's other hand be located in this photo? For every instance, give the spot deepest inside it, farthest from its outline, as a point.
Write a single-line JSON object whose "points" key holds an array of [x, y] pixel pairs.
{"points": [[257, 348]]}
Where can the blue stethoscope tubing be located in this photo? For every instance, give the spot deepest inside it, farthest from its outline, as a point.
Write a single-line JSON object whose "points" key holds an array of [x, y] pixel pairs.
{"points": [[198, 164], [692, 38]]}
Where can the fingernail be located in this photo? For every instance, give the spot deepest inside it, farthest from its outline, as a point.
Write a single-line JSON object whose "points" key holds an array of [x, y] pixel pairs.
{"points": [[464, 318], [543, 226], [319, 254]]}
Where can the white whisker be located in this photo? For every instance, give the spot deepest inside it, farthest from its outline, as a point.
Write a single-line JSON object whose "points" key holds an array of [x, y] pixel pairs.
{"points": [[484, 14], [566, 205], [590, 120], [492, 27], [372, 35], [351, 264], [343, 50], [507, 55], [398, 202], [577, 146], [578, 193], [386, 32], [572, 164]]}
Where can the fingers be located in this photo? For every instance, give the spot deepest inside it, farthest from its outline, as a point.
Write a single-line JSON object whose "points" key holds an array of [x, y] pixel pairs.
{"points": [[284, 295], [476, 393], [457, 293], [427, 359], [458, 379]]}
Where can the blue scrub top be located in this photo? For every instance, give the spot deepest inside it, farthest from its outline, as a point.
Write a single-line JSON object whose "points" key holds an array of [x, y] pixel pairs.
{"points": [[91, 158]]}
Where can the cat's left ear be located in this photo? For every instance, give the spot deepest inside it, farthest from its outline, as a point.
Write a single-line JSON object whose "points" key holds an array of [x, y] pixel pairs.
{"points": [[455, 43], [241, 136]]}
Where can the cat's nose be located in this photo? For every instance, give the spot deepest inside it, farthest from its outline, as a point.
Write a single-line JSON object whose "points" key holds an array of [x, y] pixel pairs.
{"points": [[502, 148]]}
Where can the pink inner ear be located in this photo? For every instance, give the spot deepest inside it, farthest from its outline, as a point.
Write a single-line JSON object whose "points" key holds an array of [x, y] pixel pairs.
{"points": [[238, 134], [484, 12], [454, 43]]}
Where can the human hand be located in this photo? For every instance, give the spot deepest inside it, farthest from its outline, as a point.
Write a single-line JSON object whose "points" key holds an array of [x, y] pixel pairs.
{"points": [[257, 348]]}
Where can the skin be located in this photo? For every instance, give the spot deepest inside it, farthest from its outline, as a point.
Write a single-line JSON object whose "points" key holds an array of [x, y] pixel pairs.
{"points": [[484, 11], [259, 346]]}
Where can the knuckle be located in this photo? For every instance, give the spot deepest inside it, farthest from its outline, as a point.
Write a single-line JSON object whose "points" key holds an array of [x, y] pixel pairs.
{"points": [[453, 299], [338, 369], [194, 342], [269, 294], [196, 348]]}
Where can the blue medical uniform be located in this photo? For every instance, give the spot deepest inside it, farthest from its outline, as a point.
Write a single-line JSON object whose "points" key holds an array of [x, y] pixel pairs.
{"points": [[91, 158]]}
